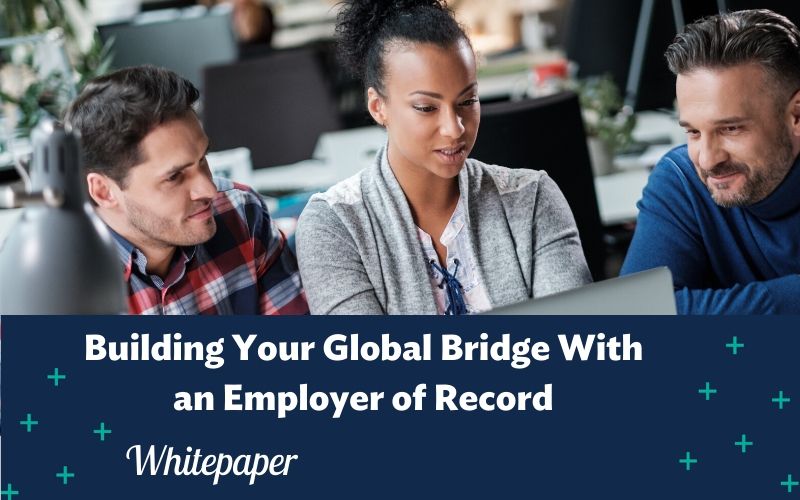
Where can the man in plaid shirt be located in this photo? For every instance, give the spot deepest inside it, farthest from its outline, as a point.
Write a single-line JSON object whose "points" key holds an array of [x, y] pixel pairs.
{"points": [[189, 243]]}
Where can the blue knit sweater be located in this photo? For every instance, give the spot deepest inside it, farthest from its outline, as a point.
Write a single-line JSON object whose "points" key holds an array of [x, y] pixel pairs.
{"points": [[723, 260]]}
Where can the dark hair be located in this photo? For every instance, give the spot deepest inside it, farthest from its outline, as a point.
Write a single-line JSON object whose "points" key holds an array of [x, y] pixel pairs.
{"points": [[115, 112], [366, 30], [748, 36]]}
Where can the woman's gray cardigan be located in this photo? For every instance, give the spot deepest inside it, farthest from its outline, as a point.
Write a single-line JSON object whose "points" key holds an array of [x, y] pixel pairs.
{"points": [[359, 252]]}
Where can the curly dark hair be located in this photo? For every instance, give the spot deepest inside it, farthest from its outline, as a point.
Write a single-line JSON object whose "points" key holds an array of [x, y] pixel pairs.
{"points": [[749, 36], [115, 112], [366, 30]]}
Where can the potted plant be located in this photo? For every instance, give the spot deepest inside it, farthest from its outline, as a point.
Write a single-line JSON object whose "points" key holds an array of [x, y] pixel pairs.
{"points": [[609, 124], [47, 52]]}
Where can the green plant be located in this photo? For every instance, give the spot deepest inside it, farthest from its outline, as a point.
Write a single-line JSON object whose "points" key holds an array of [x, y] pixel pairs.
{"points": [[48, 92], [23, 17], [604, 115], [49, 95], [94, 62]]}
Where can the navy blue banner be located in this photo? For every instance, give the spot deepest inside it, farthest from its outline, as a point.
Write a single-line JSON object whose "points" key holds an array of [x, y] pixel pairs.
{"points": [[661, 407]]}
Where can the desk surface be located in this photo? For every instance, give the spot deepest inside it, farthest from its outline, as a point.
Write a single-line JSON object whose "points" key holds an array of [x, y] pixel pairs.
{"points": [[509, 77], [341, 154], [338, 155], [346, 152], [617, 195]]}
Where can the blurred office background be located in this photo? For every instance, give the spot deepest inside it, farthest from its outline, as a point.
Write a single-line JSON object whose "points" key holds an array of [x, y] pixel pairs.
{"points": [[578, 88]]}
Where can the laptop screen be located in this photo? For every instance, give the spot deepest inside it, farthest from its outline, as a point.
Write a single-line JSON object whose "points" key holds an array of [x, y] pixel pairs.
{"points": [[646, 293]]}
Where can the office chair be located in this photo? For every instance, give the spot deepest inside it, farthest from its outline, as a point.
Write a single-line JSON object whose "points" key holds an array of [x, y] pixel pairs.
{"points": [[547, 134], [277, 106]]}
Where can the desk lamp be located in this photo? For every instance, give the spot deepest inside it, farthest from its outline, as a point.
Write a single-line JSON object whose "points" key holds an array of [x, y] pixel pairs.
{"points": [[59, 257]]}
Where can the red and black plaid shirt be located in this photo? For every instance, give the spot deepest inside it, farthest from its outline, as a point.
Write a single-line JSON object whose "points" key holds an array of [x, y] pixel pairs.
{"points": [[245, 268]]}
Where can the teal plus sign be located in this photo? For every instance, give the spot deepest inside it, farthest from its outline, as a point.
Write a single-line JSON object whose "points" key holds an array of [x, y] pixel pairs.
{"points": [[688, 461], [789, 483], [65, 475], [780, 400], [28, 422], [8, 491], [55, 377], [708, 391], [744, 443], [102, 431], [734, 346]]}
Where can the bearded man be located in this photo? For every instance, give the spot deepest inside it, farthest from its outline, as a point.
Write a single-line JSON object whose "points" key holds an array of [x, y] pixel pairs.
{"points": [[723, 211]]}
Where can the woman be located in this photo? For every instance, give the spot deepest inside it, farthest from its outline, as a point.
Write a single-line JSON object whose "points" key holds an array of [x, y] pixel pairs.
{"points": [[426, 230]]}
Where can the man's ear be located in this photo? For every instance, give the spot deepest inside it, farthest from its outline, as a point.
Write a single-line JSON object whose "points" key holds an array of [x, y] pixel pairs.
{"points": [[101, 190], [794, 113], [376, 106]]}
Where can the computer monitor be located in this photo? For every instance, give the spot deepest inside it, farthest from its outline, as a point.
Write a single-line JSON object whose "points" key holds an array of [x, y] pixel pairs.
{"points": [[183, 40], [277, 106]]}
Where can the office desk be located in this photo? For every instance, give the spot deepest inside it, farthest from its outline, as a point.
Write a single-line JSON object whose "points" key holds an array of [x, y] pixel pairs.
{"points": [[339, 155], [298, 24], [509, 77], [342, 154], [618, 192], [509, 86]]}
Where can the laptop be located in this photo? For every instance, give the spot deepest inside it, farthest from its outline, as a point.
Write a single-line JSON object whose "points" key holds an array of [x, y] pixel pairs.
{"points": [[645, 293]]}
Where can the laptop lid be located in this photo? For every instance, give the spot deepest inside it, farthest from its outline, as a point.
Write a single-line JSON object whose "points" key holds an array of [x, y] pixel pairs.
{"points": [[645, 293]]}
